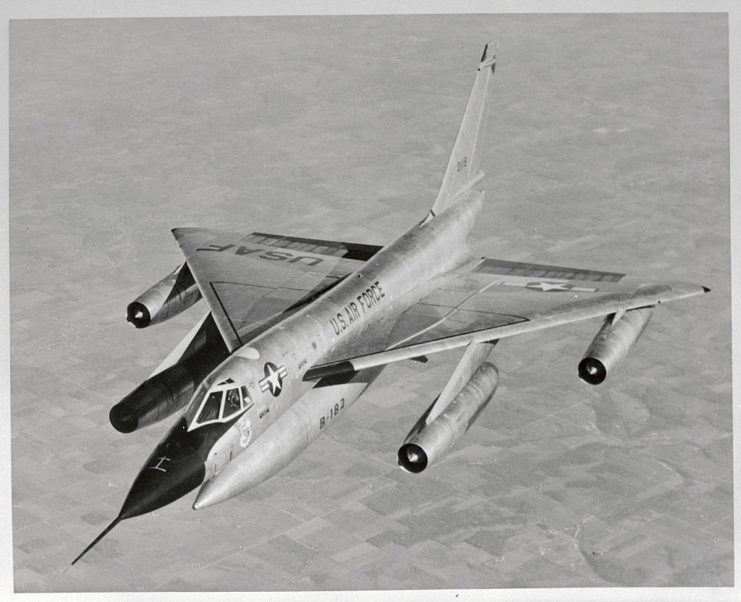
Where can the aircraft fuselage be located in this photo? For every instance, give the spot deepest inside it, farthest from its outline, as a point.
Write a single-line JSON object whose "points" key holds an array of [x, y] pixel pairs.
{"points": [[271, 366], [388, 283]]}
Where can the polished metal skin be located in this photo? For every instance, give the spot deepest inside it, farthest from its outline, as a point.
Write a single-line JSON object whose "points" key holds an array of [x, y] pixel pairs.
{"points": [[431, 440], [612, 343], [172, 295], [303, 422], [310, 335], [472, 358]]}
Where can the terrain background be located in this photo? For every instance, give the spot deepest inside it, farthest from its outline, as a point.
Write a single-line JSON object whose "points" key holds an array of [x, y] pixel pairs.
{"points": [[607, 148]]}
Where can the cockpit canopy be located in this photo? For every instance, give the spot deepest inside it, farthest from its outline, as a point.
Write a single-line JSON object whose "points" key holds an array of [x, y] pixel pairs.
{"points": [[216, 403]]}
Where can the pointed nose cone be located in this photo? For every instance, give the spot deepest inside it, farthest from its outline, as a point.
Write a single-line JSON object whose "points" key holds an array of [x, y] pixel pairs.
{"points": [[174, 469]]}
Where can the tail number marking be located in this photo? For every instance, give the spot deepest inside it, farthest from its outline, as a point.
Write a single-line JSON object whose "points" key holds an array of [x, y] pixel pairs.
{"points": [[333, 411]]}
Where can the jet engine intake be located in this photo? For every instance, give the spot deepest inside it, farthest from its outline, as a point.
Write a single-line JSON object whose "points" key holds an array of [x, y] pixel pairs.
{"points": [[427, 443], [612, 343], [172, 295]]}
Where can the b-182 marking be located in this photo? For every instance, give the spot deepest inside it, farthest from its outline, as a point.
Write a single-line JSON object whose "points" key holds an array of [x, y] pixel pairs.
{"points": [[333, 411]]}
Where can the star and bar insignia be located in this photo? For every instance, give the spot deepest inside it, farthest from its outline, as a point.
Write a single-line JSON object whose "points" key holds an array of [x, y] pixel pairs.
{"points": [[273, 380], [550, 287]]}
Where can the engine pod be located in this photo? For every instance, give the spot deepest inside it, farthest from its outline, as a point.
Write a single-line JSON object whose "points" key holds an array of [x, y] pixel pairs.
{"points": [[155, 399], [170, 389], [172, 295], [428, 443], [612, 343]]}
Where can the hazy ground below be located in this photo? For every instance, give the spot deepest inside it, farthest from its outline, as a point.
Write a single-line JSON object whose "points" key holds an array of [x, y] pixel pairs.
{"points": [[607, 148]]}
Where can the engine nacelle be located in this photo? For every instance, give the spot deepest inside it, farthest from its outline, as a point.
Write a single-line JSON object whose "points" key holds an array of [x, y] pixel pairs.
{"points": [[175, 293], [169, 390], [427, 443], [612, 344], [164, 393]]}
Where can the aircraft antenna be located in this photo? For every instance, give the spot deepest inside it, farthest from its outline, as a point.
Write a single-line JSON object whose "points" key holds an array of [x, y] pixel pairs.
{"points": [[97, 539]]}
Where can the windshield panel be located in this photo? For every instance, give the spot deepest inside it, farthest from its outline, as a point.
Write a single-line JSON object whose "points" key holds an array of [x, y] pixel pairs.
{"points": [[211, 408], [195, 401]]}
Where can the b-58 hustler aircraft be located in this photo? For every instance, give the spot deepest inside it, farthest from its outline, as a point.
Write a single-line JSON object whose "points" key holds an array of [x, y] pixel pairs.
{"points": [[298, 328]]}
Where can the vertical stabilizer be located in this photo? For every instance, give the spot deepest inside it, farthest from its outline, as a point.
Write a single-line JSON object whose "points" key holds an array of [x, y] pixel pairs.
{"points": [[463, 167]]}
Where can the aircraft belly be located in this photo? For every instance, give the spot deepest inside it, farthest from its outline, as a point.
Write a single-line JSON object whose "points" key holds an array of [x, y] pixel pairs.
{"points": [[288, 436]]}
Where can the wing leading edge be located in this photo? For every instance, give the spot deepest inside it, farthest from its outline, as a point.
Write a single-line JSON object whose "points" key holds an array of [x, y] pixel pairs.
{"points": [[252, 281], [526, 297]]}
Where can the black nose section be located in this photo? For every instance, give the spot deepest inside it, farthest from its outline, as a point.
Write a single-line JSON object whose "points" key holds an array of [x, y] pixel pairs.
{"points": [[174, 469]]}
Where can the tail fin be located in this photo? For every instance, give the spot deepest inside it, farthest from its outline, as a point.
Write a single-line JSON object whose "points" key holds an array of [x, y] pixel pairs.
{"points": [[463, 167]]}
